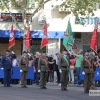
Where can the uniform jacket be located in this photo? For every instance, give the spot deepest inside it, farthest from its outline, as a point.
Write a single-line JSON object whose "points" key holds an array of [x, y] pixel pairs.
{"points": [[63, 64], [24, 64], [6, 62], [42, 65], [85, 65]]}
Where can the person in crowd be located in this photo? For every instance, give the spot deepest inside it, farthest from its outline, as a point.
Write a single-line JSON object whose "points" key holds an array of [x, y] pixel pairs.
{"points": [[6, 62], [63, 69], [51, 65], [97, 64], [43, 69], [87, 71], [24, 69], [14, 60], [71, 70], [35, 66], [92, 58], [58, 73], [78, 64]]}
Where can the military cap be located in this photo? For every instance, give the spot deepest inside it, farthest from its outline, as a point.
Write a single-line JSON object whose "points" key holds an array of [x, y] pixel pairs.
{"points": [[24, 52], [7, 50], [44, 52]]}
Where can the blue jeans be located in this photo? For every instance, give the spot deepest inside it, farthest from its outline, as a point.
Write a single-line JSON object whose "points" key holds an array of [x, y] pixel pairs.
{"points": [[78, 70]]}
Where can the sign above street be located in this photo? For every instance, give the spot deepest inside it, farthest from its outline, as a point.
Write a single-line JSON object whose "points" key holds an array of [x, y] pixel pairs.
{"points": [[6, 17], [90, 20]]}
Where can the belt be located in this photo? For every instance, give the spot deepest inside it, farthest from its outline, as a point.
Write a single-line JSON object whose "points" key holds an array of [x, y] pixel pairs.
{"points": [[87, 67], [64, 66]]}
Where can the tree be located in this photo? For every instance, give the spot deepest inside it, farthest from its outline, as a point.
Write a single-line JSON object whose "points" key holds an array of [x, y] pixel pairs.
{"points": [[82, 7], [23, 5]]}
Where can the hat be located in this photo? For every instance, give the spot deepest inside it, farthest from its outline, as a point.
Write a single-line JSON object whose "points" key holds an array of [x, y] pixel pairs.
{"points": [[64, 50], [7, 50], [44, 52], [56, 53], [24, 52]]}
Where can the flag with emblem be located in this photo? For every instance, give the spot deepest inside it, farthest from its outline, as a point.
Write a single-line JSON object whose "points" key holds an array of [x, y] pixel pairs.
{"points": [[27, 39], [94, 39], [44, 41], [68, 40], [12, 38]]}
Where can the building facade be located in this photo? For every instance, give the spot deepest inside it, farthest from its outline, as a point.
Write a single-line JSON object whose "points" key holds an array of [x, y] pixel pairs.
{"points": [[57, 23]]}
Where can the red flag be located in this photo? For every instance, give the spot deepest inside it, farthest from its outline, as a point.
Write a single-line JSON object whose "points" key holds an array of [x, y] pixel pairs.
{"points": [[94, 39], [27, 39], [44, 41], [12, 38]]}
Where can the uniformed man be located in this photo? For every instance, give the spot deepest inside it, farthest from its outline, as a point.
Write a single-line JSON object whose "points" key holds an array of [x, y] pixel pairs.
{"points": [[92, 57], [86, 68], [63, 69], [43, 69], [6, 62], [24, 69]]}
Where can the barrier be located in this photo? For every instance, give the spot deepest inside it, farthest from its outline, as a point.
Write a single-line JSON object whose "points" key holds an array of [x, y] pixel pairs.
{"points": [[16, 73], [30, 74], [1, 73], [96, 75]]}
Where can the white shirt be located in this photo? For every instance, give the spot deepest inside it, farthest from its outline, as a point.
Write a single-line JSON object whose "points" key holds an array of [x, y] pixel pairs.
{"points": [[14, 62]]}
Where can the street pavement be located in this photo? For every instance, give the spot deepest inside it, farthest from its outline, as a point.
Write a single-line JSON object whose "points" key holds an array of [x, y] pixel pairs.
{"points": [[53, 92]]}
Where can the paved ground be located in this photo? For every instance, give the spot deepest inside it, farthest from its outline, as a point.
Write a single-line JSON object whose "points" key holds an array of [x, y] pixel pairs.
{"points": [[53, 92]]}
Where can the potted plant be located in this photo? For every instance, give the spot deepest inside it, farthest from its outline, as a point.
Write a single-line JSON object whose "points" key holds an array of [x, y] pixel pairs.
{"points": [[37, 3]]}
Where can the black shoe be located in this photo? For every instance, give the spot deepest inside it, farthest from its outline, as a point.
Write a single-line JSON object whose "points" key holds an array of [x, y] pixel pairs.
{"points": [[86, 91], [44, 87], [9, 86], [25, 87]]}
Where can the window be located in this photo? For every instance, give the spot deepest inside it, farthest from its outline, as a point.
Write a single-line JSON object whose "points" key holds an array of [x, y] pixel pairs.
{"points": [[77, 35]]}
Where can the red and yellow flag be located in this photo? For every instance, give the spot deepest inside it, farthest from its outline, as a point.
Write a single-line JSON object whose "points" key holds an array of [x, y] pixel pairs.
{"points": [[44, 41], [27, 39], [12, 38], [94, 39]]}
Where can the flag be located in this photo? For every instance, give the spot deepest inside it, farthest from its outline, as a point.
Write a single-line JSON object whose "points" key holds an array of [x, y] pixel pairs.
{"points": [[68, 40], [94, 39], [12, 38], [44, 41], [27, 39]]}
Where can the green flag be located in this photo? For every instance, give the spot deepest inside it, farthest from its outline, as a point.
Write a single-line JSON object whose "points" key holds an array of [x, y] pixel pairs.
{"points": [[68, 40]]}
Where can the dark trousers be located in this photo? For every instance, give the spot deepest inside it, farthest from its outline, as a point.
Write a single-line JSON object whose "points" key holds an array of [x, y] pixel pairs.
{"points": [[87, 81], [43, 78], [37, 77], [51, 75], [64, 79], [23, 78], [58, 76], [7, 77]]}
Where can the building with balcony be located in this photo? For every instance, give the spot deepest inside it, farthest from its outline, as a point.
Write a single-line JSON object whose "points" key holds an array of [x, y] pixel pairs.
{"points": [[57, 23]]}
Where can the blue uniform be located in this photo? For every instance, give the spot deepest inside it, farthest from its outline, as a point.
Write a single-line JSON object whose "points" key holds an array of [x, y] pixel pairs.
{"points": [[6, 62]]}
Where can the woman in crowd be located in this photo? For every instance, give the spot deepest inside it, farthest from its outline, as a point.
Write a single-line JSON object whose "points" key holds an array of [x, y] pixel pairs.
{"points": [[71, 70]]}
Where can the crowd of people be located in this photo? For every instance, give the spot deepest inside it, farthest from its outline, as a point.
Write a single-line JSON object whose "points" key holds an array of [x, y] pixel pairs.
{"points": [[64, 69]]}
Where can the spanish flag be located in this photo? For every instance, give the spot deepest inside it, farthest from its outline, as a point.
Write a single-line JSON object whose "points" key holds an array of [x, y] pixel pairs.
{"points": [[12, 38]]}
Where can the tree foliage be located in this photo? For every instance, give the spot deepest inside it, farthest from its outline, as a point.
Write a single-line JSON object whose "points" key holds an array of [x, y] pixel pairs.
{"points": [[23, 6], [82, 7]]}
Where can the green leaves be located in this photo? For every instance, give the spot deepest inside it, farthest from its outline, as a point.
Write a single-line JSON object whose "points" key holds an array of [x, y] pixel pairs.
{"points": [[83, 7]]}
